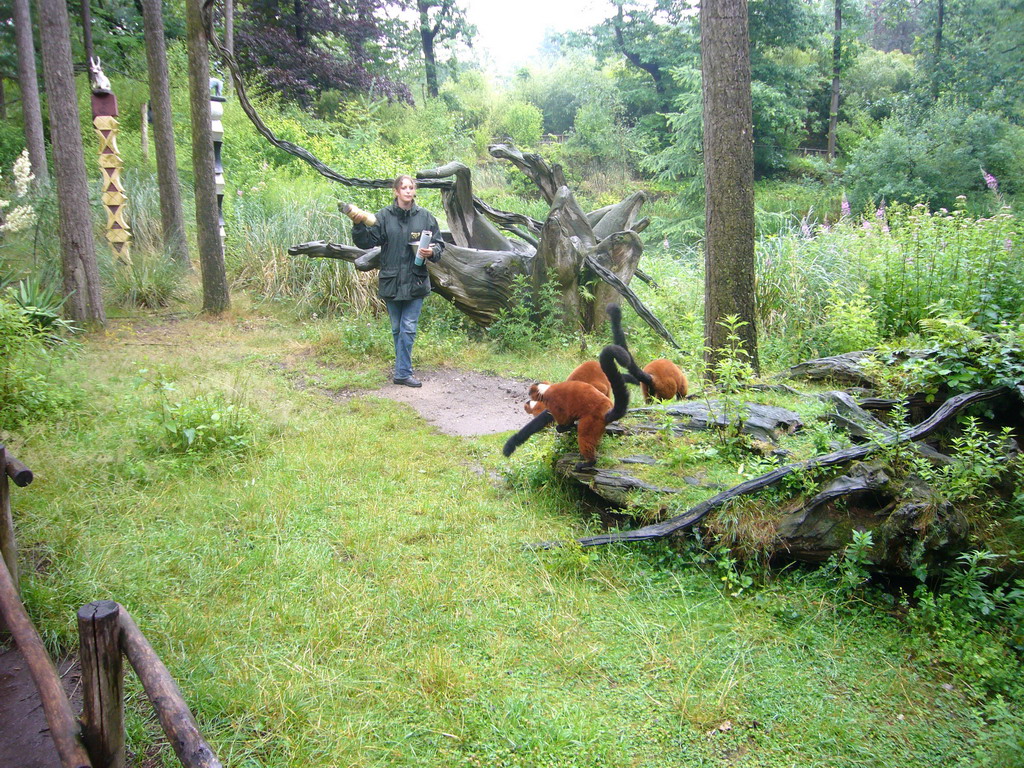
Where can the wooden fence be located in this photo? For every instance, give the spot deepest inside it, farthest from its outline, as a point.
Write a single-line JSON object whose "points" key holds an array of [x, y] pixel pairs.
{"points": [[106, 634]]}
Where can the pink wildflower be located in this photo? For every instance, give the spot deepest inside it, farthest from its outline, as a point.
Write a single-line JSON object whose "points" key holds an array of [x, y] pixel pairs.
{"points": [[990, 181], [1008, 244], [844, 206]]}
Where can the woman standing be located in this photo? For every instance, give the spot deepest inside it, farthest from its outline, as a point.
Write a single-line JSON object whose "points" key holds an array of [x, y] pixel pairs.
{"points": [[403, 281]]}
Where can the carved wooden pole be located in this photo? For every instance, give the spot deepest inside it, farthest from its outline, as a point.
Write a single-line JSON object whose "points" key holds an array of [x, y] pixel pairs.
{"points": [[104, 119], [99, 638], [217, 128]]}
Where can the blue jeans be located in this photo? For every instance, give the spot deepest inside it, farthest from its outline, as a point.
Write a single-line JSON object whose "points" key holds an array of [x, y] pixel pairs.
{"points": [[404, 317]]}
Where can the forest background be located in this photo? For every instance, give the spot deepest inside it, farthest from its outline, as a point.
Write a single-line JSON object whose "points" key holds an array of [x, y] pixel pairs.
{"points": [[905, 233]]}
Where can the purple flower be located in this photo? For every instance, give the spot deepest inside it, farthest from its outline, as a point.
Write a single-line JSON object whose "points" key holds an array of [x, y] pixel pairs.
{"points": [[880, 213], [844, 206], [1008, 244], [805, 228], [990, 181], [866, 225]]}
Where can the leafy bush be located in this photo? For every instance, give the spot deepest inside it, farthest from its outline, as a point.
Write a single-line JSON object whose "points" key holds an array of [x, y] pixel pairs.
{"points": [[12, 141], [521, 122], [979, 461], [963, 359], [528, 321], [934, 156], [913, 263], [28, 388], [974, 626], [206, 423], [849, 325]]}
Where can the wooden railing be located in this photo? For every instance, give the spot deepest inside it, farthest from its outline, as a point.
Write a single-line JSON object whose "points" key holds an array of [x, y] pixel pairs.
{"points": [[106, 633]]}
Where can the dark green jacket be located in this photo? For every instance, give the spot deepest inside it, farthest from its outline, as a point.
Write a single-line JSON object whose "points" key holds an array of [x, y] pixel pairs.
{"points": [[397, 232]]}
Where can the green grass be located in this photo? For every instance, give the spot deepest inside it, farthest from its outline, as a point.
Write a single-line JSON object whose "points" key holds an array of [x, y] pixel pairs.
{"points": [[355, 590]]}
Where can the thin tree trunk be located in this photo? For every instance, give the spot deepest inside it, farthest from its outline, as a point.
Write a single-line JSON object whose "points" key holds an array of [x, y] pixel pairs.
{"points": [[32, 115], [172, 217], [729, 174], [211, 254], [429, 60], [229, 26], [87, 33], [837, 54], [78, 249]]}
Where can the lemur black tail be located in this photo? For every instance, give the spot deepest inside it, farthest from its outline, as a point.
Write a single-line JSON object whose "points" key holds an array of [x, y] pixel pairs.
{"points": [[636, 374], [534, 426], [620, 395]]}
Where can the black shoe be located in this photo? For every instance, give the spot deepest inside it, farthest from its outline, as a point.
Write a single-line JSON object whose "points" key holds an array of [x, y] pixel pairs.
{"points": [[412, 381]]}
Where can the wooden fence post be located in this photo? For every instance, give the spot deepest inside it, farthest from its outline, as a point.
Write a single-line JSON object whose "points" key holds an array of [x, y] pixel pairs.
{"points": [[99, 637]]}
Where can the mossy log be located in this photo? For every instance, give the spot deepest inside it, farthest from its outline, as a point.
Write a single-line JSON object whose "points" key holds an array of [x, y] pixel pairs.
{"points": [[814, 529]]}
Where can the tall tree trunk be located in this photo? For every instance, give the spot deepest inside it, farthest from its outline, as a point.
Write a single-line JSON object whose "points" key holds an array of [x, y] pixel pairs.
{"points": [[229, 26], [427, 40], [211, 253], [87, 33], [300, 26], [729, 174], [837, 55], [31, 113], [940, 20], [78, 249], [172, 217]]}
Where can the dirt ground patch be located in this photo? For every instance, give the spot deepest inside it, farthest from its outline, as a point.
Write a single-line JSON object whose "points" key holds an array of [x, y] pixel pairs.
{"points": [[463, 403], [25, 741]]}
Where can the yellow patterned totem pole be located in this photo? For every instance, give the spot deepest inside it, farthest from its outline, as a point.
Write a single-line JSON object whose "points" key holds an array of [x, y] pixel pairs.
{"points": [[104, 119]]}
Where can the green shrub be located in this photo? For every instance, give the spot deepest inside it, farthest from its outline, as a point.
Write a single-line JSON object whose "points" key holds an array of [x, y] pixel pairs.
{"points": [[29, 390], [521, 122], [205, 423], [41, 304], [849, 325], [12, 141], [964, 359], [934, 156], [528, 320], [979, 461]]}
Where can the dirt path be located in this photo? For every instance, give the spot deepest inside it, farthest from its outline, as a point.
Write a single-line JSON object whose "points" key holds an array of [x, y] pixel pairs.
{"points": [[463, 402], [24, 736]]}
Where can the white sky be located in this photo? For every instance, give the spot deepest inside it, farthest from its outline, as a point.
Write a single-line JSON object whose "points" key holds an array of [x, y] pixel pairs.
{"points": [[510, 33]]}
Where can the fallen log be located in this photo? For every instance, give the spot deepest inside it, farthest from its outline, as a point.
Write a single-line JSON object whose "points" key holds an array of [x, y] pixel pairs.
{"points": [[693, 515]]}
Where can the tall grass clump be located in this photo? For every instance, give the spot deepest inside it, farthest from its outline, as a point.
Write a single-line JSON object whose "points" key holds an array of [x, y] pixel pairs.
{"points": [[911, 258], [265, 222], [825, 288]]}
